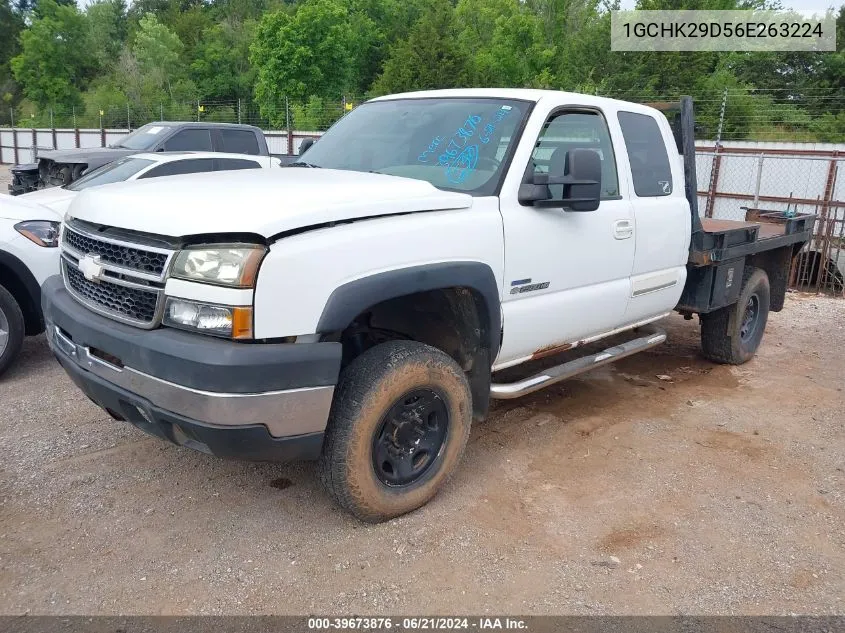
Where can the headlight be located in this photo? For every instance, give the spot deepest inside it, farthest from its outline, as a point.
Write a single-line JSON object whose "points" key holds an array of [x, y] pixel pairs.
{"points": [[42, 232], [227, 321], [235, 265]]}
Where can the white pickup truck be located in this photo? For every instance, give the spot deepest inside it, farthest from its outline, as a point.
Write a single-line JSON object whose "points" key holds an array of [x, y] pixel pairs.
{"points": [[356, 309]]}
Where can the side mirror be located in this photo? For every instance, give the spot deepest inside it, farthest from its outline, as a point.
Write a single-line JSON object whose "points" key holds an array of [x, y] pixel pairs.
{"points": [[581, 184], [304, 145]]}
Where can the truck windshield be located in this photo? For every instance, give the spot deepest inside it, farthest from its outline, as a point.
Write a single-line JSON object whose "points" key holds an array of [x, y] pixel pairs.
{"points": [[144, 137], [454, 143], [118, 171]]}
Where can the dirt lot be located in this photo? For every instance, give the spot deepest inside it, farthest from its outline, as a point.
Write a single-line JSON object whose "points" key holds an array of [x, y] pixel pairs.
{"points": [[718, 491]]}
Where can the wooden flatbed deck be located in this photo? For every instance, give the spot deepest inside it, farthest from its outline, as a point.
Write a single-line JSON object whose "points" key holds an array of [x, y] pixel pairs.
{"points": [[767, 229]]}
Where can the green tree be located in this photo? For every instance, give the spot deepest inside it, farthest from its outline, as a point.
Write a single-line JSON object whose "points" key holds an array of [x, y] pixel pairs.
{"points": [[157, 50], [308, 53], [107, 31], [54, 63], [505, 43], [430, 57], [221, 68], [11, 24]]}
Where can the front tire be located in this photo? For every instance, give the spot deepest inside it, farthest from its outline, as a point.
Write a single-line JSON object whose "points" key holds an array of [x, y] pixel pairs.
{"points": [[399, 423], [11, 329], [731, 335]]}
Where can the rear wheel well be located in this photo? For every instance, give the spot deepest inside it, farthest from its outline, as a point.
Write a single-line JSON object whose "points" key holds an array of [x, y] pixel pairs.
{"points": [[776, 264], [454, 320], [33, 320]]}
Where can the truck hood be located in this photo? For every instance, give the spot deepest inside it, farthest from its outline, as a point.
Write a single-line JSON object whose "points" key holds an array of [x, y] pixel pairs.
{"points": [[262, 201], [15, 208], [57, 198], [93, 157]]}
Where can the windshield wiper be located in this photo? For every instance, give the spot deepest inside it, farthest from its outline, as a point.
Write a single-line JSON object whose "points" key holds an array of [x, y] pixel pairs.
{"points": [[301, 163]]}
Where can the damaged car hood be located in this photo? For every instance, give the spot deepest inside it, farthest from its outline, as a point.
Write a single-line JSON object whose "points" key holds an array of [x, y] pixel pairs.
{"points": [[261, 201], [93, 157]]}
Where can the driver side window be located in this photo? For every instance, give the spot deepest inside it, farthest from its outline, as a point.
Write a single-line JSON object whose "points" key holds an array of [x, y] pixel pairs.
{"points": [[575, 130]]}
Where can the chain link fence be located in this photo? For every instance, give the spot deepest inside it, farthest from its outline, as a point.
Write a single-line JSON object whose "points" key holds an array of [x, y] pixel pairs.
{"points": [[316, 114], [799, 181]]}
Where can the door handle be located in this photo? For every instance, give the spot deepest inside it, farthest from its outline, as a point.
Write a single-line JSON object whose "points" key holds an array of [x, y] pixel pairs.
{"points": [[623, 229]]}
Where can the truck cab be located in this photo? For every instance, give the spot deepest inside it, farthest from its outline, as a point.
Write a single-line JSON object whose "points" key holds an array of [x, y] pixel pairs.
{"points": [[356, 307]]}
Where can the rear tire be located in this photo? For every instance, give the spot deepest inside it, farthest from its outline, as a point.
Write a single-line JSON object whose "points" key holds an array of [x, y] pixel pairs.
{"points": [[731, 335], [64, 174], [399, 423], [11, 329]]}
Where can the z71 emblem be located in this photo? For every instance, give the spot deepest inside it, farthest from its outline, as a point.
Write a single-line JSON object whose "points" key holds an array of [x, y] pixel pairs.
{"points": [[90, 267]]}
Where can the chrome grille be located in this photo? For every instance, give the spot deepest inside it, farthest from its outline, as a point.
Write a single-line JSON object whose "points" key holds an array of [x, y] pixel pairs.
{"points": [[152, 262], [118, 279], [133, 304]]}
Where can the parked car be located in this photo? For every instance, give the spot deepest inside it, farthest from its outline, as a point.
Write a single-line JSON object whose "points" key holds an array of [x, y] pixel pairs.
{"points": [[448, 235], [29, 235], [148, 165], [61, 167]]}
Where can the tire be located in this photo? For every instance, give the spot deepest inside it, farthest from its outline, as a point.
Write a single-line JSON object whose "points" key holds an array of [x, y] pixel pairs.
{"points": [[11, 329], [64, 174], [731, 335], [405, 381]]}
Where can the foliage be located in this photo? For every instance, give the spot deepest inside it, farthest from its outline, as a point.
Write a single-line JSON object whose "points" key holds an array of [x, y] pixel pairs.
{"points": [[53, 63], [221, 69], [307, 53], [430, 57]]}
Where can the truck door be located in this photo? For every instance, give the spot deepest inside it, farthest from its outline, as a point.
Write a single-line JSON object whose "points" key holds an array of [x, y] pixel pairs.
{"points": [[567, 273], [661, 214]]}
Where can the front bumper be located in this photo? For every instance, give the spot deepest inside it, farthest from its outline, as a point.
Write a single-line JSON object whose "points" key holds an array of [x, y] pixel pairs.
{"points": [[24, 179], [246, 401]]}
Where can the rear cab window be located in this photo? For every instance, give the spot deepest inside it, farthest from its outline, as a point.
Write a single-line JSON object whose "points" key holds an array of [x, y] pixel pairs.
{"points": [[647, 155], [239, 142]]}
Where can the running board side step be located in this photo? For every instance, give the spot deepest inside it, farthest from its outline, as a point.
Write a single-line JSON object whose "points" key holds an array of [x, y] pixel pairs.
{"points": [[506, 391]]}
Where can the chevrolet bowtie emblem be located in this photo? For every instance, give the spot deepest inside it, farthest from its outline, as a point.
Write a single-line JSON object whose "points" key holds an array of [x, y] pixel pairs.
{"points": [[91, 268]]}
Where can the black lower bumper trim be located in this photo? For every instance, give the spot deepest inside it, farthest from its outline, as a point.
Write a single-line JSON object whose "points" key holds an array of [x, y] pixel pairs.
{"points": [[194, 360], [252, 442]]}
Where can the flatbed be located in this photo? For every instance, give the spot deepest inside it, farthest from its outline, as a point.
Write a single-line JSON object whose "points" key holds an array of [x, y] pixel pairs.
{"points": [[720, 249]]}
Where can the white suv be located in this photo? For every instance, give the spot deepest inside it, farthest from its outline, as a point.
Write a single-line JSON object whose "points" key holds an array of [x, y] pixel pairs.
{"points": [[148, 165], [29, 235]]}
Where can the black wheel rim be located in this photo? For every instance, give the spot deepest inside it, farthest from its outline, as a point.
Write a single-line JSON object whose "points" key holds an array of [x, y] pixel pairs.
{"points": [[750, 318], [410, 437]]}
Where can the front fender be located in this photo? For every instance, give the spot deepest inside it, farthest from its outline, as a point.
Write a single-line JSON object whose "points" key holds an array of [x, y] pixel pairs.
{"points": [[319, 280], [349, 300]]}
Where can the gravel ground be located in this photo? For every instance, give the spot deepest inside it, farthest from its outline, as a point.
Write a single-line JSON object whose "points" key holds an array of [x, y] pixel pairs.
{"points": [[717, 491]]}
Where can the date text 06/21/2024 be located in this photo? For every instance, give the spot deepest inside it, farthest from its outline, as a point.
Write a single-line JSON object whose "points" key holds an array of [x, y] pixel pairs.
{"points": [[417, 623]]}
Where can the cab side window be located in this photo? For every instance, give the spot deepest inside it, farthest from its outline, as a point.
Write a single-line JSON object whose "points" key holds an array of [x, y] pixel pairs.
{"points": [[647, 154], [575, 130], [190, 140]]}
